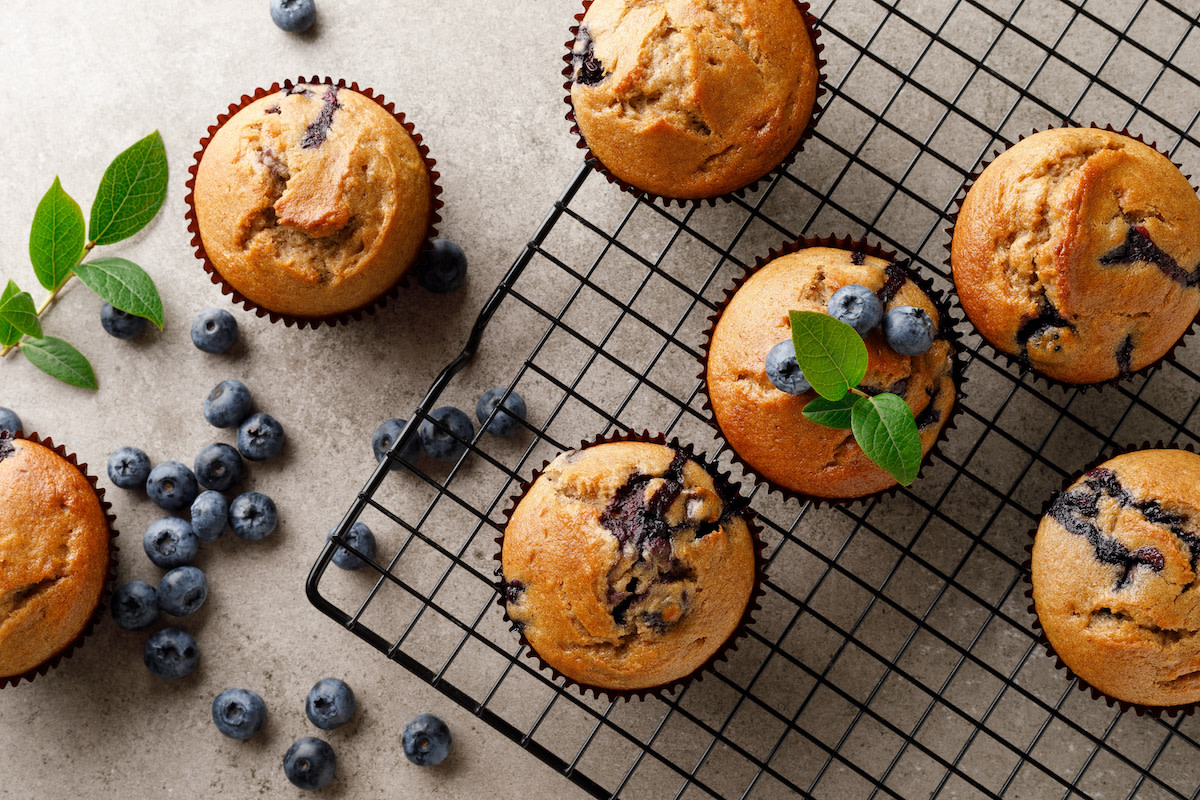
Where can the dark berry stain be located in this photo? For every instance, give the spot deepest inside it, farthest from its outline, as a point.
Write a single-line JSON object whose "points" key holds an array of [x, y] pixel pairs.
{"points": [[1044, 321], [1075, 509], [1124, 356], [639, 521], [273, 110], [513, 590], [6, 446], [1138, 246], [314, 135], [930, 414], [300, 90], [896, 275], [587, 68], [857, 257]]}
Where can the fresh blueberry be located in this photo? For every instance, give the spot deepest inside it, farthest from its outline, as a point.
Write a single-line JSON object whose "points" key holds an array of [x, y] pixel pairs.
{"points": [[387, 433], [445, 434], [171, 654], [172, 486], [214, 330], [442, 269], [228, 404], [218, 466], [784, 371], [908, 330], [361, 539], [426, 740], [135, 606], [507, 420], [210, 515], [252, 515], [260, 437], [182, 591], [239, 713], [119, 324], [857, 306], [310, 763], [330, 704], [294, 16], [9, 421], [170, 542], [129, 467]]}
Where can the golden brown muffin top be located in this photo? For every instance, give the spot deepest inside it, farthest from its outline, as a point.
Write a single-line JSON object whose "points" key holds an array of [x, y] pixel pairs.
{"points": [[1114, 573], [54, 553], [693, 98], [312, 201], [625, 566], [766, 426], [1077, 251]]}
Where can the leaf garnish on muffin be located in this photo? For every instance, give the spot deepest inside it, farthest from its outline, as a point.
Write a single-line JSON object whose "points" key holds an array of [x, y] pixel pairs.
{"points": [[833, 358]]}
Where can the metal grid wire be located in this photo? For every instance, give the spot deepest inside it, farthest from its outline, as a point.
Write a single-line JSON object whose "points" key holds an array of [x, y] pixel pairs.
{"points": [[894, 654]]}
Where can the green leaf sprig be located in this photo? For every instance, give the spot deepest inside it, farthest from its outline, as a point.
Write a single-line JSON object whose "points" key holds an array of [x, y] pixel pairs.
{"points": [[833, 358], [131, 192]]}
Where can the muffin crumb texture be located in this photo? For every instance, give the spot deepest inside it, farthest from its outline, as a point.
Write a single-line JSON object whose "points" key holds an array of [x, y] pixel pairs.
{"points": [[625, 567], [54, 555], [1077, 252], [692, 98], [1114, 577], [312, 201]]}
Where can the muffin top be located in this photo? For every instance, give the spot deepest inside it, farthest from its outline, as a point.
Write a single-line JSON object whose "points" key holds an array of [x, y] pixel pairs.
{"points": [[1113, 571], [54, 554], [765, 426], [626, 567], [1077, 252], [312, 201], [690, 99]]}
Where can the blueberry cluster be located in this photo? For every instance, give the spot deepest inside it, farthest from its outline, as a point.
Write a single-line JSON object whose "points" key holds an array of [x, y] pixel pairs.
{"points": [[907, 329], [310, 763], [173, 542], [446, 433]]}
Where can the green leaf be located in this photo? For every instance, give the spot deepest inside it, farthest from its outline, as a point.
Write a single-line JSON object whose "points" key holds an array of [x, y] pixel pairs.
{"points": [[60, 360], [831, 355], [884, 428], [831, 413], [131, 192], [18, 316], [56, 238], [125, 285]]}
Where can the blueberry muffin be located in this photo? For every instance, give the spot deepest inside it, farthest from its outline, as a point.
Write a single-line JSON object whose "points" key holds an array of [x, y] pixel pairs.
{"points": [[1076, 252], [689, 99], [312, 201], [627, 566], [1114, 565], [766, 426], [54, 556]]}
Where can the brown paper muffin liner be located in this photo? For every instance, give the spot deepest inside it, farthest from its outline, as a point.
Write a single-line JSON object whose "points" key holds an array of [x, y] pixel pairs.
{"points": [[814, 32], [947, 330], [1027, 567], [1016, 362], [344, 317], [110, 578], [731, 495]]}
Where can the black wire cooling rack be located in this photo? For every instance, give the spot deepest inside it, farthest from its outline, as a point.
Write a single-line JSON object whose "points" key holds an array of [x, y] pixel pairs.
{"points": [[894, 654]]}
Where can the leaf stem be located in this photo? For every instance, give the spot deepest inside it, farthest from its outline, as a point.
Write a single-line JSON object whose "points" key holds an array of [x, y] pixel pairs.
{"points": [[50, 298]]}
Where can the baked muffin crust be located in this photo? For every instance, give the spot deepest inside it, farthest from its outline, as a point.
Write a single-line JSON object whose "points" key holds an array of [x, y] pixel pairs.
{"points": [[625, 567], [766, 427], [1114, 572], [693, 98], [54, 554], [312, 201], [1077, 251]]}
